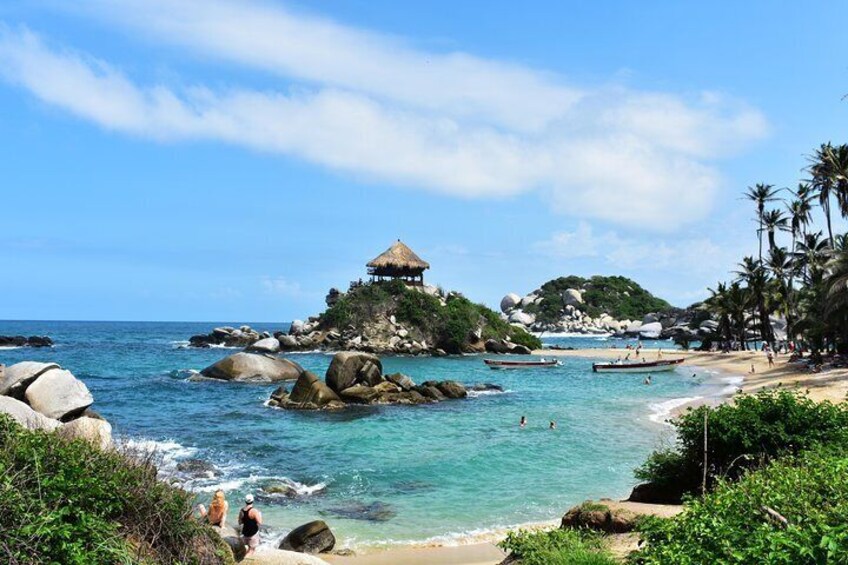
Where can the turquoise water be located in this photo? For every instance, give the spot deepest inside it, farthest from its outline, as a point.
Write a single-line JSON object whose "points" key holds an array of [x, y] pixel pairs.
{"points": [[439, 472]]}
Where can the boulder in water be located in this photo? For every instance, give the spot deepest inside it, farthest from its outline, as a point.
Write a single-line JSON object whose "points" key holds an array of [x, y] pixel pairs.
{"points": [[359, 394], [58, 394], [309, 389], [374, 512], [314, 537], [196, 468], [252, 367], [452, 389], [267, 345], [350, 367], [404, 382]]}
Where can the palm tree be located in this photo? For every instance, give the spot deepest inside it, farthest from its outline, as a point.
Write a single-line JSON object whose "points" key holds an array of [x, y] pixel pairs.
{"points": [[781, 265], [760, 194], [772, 221], [755, 277], [811, 253], [823, 182], [837, 160]]}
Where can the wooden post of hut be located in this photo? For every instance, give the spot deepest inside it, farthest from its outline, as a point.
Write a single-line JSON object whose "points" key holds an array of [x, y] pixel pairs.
{"points": [[398, 262]]}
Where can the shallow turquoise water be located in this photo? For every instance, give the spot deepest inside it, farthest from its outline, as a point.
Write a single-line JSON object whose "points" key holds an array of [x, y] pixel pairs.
{"points": [[442, 471]]}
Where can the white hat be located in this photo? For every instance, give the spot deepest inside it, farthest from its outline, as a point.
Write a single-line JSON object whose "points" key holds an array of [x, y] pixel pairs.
{"points": [[249, 499]]}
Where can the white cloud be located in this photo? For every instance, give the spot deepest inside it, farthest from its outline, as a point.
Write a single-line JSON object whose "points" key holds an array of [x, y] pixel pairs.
{"points": [[373, 106], [699, 256], [281, 286]]}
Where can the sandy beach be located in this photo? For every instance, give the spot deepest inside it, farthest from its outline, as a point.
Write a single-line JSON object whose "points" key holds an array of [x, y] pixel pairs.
{"points": [[829, 385]]}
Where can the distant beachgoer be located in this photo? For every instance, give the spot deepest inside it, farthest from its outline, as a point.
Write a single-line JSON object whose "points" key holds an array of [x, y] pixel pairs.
{"points": [[250, 519], [752, 369], [770, 357], [553, 425], [218, 508], [694, 375], [648, 380], [659, 354], [523, 422], [627, 358]]}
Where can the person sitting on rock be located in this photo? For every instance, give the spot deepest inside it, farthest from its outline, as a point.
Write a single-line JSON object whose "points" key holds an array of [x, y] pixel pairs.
{"points": [[250, 519], [218, 508]]}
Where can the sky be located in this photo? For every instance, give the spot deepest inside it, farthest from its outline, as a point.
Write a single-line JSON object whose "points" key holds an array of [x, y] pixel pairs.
{"points": [[232, 160]]}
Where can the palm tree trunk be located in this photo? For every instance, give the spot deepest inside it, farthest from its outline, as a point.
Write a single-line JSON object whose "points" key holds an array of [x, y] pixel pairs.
{"points": [[827, 215]]}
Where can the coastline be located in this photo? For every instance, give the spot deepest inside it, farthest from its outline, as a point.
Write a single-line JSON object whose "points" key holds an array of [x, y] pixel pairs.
{"points": [[831, 385]]}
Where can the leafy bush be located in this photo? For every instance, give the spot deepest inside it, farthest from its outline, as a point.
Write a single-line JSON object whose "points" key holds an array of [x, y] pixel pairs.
{"points": [[741, 522], [745, 434], [557, 547], [64, 501]]}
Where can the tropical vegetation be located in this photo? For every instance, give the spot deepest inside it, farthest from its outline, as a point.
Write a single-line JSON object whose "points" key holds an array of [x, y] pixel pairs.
{"points": [[800, 273], [448, 320], [65, 501]]}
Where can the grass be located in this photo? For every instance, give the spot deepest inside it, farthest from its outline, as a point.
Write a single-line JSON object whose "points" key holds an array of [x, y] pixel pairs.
{"points": [[64, 501]]}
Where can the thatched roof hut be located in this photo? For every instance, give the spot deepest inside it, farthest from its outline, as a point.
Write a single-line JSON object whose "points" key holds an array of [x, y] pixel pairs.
{"points": [[398, 262]]}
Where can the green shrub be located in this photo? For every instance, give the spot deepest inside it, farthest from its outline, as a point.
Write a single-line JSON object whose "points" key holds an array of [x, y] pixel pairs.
{"points": [[733, 523], [64, 501], [557, 547], [745, 434]]}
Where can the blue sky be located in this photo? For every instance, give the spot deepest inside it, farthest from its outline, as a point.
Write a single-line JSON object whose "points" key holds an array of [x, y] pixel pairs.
{"points": [[232, 160]]}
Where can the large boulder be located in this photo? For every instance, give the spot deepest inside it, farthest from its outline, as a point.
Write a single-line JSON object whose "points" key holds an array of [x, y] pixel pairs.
{"points": [[650, 319], [252, 367], [296, 327], [26, 416], [509, 302], [599, 517], [309, 389], [58, 394], [349, 368], [572, 297], [236, 546], [404, 382], [653, 493], [360, 394], [651, 330], [452, 389], [97, 432], [521, 317], [16, 378], [266, 345], [314, 537]]}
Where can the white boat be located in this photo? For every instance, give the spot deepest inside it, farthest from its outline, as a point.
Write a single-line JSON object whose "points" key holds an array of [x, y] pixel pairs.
{"points": [[510, 364], [637, 367]]}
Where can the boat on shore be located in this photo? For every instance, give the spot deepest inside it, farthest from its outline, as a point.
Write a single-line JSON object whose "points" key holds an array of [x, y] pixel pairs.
{"points": [[511, 364], [637, 366]]}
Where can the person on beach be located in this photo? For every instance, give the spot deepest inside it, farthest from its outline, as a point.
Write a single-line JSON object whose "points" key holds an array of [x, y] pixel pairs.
{"points": [[523, 422], [553, 425], [770, 357], [752, 369], [218, 508], [250, 519], [659, 354]]}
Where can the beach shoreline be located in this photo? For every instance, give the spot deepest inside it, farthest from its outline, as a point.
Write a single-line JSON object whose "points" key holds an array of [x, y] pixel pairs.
{"points": [[831, 385]]}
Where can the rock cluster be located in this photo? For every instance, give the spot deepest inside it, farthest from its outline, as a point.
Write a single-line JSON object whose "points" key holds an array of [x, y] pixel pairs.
{"points": [[599, 517], [21, 341], [574, 319], [227, 336], [357, 378], [43, 396]]}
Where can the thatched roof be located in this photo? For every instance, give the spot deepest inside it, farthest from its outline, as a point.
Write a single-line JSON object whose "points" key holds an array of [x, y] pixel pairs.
{"points": [[398, 256]]}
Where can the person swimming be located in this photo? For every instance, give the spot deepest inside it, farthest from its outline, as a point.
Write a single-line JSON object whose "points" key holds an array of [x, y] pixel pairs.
{"points": [[523, 422], [553, 425], [648, 380]]}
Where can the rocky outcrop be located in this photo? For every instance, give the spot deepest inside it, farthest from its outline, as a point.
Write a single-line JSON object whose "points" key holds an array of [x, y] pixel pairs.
{"points": [[95, 431], [356, 378], [22, 341], [266, 345], [313, 537], [227, 336], [43, 396], [58, 394], [502, 346], [254, 368], [16, 378], [599, 517], [349, 368], [25, 415]]}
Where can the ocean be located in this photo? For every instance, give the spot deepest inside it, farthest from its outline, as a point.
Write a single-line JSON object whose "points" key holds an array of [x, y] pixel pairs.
{"points": [[445, 473]]}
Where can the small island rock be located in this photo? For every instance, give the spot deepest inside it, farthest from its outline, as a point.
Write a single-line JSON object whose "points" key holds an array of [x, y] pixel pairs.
{"points": [[314, 537], [252, 367]]}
